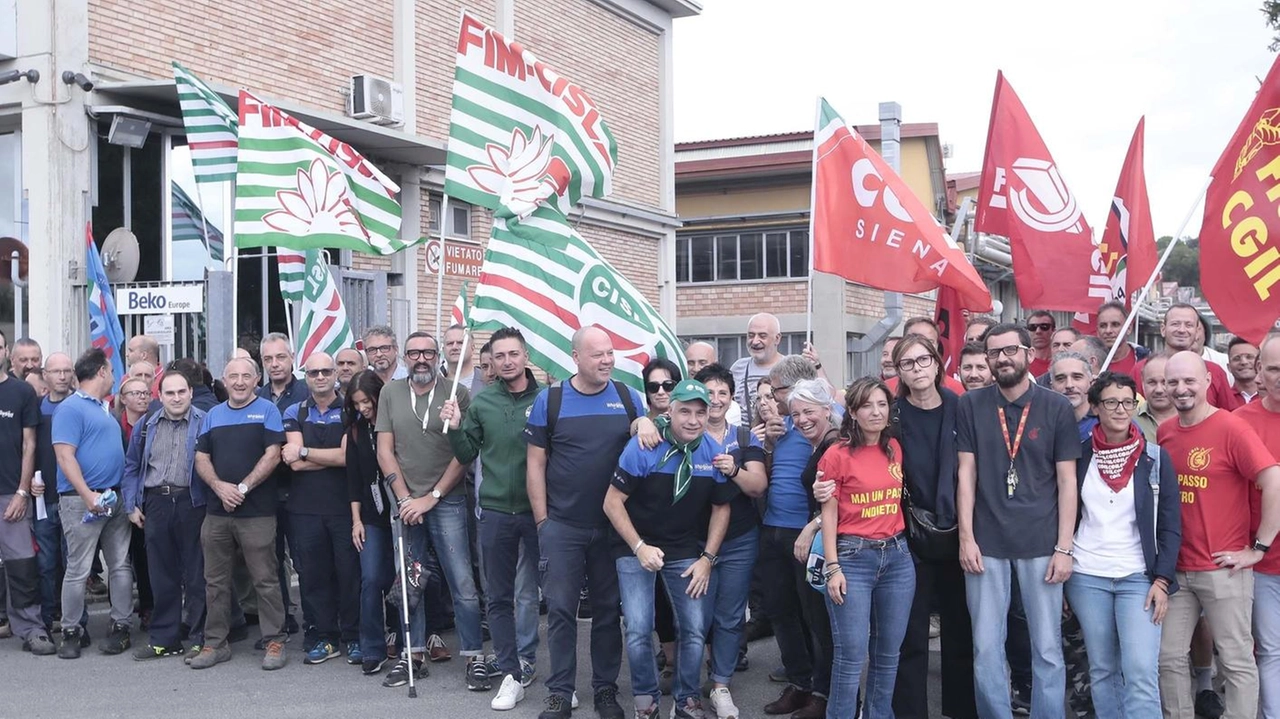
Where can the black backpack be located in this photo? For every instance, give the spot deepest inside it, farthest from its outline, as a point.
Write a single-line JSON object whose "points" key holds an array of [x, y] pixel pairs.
{"points": [[555, 397]]}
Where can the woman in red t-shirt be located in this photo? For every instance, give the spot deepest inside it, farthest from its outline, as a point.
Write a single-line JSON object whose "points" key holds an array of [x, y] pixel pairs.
{"points": [[869, 569]]}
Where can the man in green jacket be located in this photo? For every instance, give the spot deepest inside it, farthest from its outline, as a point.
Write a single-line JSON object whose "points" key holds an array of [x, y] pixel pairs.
{"points": [[491, 429]]}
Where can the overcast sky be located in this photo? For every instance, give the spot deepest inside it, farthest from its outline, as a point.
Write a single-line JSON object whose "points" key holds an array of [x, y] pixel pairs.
{"points": [[1085, 70]]}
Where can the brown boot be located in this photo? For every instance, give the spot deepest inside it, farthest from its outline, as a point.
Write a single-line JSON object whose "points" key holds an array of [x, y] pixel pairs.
{"points": [[815, 709], [792, 700]]}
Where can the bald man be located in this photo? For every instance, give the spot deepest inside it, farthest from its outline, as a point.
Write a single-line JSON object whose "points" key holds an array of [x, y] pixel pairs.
{"points": [[703, 354], [349, 361], [142, 348], [764, 334], [1219, 459]]}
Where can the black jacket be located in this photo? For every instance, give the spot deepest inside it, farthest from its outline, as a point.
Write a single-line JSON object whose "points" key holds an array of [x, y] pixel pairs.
{"points": [[937, 493]]}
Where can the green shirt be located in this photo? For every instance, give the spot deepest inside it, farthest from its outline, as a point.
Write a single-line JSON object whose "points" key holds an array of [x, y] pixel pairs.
{"points": [[423, 451], [492, 428]]}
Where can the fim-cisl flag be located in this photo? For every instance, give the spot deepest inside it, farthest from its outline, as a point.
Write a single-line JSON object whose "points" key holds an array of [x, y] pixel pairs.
{"points": [[1239, 267], [1023, 197], [543, 278], [520, 133], [292, 266], [190, 224], [212, 127], [298, 187], [324, 326], [459, 313], [868, 226]]}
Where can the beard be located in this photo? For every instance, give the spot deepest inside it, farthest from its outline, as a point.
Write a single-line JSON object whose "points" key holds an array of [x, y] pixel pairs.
{"points": [[423, 373], [1011, 380]]}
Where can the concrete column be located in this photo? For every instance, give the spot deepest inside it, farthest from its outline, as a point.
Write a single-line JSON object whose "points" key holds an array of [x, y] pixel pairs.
{"points": [[667, 175], [505, 18], [57, 144], [405, 263]]}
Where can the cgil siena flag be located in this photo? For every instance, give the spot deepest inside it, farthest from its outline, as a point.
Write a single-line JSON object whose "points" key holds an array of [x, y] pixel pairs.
{"points": [[868, 226], [1239, 267], [298, 187], [1023, 197], [105, 331], [520, 133], [324, 326]]}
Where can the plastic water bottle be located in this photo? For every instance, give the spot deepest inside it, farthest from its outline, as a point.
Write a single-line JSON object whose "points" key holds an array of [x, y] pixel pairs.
{"points": [[42, 511], [108, 501]]}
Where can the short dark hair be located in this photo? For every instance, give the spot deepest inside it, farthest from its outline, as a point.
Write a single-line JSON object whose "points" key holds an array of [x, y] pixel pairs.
{"points": [[1109, 379], [421, 333], [506, 333], [1072, 330], [661, 363], [180, 375], [1236, 342], [89, 364], [1183, 306], [1042, 313], [1116, 305], [1005, 328], [487, 348], [717, 373], [920, 320], [189, 368], [973, 348]]}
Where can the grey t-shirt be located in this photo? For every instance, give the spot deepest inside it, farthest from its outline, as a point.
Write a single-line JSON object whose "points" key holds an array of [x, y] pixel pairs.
{"points": [[746, 375], [423, 453], [1025, 525]]}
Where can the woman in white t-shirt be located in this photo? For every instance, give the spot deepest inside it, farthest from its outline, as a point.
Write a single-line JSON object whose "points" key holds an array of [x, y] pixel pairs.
{"points": [[1126, 547]]}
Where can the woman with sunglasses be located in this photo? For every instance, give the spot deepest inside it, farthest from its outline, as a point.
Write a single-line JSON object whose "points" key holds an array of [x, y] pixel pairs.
{"points": [[1128, 533], [660, 377]]}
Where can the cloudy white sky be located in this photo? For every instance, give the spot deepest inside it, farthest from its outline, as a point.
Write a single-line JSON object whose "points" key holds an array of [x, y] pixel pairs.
{"points": [[1085, 70]]}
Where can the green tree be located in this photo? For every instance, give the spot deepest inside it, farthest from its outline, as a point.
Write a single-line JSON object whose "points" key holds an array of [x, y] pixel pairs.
{"points": [[1271, 8], [1183, 266]]}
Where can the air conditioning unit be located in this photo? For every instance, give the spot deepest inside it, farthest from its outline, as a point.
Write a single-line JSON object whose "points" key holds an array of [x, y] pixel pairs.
{"points": [[376, 99]]}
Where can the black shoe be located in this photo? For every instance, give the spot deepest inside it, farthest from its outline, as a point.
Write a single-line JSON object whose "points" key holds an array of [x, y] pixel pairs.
{"points": [[478, 675], [1020, 699], [239, 634], [1209, 704], [558, 708], [399, 674], [290, 624], [118, 640], [743, 663], [71, 643], [85, 641], [371, 667], [607, 704]]}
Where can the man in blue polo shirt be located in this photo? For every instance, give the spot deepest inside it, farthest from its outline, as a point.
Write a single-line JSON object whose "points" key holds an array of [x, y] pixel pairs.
{"points": [[90, 453], [60, 373], [657, 501], [320, 517], [576, 432]]}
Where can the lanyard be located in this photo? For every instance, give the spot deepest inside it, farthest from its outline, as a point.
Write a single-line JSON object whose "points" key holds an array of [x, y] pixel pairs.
{"points": [[413, 400], [1016, 445]]}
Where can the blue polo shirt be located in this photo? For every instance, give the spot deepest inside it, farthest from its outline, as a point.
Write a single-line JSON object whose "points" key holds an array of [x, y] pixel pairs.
{"points": [[324, 490], [788, 505], [743, 516], [86, 424]]}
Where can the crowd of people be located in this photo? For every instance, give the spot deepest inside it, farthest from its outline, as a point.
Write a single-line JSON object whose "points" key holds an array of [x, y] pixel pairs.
{"points": [[1080, 541]]}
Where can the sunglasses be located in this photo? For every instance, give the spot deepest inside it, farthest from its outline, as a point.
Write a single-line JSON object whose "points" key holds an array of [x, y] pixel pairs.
{"points": [[1040, 326], [665, 385], [323, 372]]}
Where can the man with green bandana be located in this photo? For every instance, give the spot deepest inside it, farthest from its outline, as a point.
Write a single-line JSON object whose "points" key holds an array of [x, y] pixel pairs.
{"points": [[655, 502]]}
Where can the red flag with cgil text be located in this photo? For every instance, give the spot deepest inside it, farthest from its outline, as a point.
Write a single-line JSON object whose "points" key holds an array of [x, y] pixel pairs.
{"points": [[868, 227], [1239, 267], [949, 314], [1023, 197]]}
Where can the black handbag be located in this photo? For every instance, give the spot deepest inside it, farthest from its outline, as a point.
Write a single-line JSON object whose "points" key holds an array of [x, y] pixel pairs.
{"points": [[925, 538]]}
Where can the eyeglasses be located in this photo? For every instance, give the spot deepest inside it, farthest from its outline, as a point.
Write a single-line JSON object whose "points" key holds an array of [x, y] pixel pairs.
{"points": [[1113, 404], [421, 354], [322, 372], [1039, 326], [1009, 351], [136, 393], [666, 386], [910, 363], [380, 349]]}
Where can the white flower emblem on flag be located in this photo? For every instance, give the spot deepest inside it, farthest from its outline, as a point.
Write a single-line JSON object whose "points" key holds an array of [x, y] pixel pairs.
{"points": [[319, 204], [521, 175]]}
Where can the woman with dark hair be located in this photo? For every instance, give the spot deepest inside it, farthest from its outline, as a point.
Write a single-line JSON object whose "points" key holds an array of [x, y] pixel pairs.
{"points": [[370, 515], [869, 571], [923, 420], [660, 377]]}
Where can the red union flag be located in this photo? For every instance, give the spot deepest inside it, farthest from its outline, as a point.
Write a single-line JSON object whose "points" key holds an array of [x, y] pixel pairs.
{"points": [[1023, 197], [1239, 268], [869, 228]]}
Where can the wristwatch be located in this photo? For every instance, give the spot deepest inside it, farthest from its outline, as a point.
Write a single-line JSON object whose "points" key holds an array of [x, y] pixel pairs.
{"points": [[244, 488], [436, 493], [24, 494], [710, 558], [304, 452], [1259, 546]]}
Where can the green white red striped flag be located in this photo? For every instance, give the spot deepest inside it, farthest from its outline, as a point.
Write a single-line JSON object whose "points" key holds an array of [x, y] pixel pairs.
{"points": [[292, 265], [324, 326], [211, 127], [520, 133], [542, 277], [298, 187], [459, 313], [190, 224]]}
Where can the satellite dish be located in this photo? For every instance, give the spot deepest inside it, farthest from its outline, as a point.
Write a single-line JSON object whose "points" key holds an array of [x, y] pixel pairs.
{"points": [[120, 256]]}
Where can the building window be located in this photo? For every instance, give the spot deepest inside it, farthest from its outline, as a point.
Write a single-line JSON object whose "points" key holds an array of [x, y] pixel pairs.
{"points": [[459, 219], [731, 348], [772, 255]]}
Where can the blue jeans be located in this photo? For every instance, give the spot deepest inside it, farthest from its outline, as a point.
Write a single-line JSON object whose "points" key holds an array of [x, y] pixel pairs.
{"points": [[510, 546], [1266, 634], [50, 558], [1123, 644], [730, 583], [881, 583], [445, 526], [635, 584], [377, 573], [988, 595]]}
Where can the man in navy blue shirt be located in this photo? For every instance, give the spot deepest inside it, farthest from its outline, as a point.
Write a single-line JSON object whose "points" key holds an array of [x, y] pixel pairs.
{"points": [[576, 432], [60, 374]]}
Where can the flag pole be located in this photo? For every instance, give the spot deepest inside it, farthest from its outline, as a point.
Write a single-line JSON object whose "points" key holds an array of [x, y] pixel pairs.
{"points": [[288, 304], [457, 371], [444, 225], [813, 200], [1146, 289]]}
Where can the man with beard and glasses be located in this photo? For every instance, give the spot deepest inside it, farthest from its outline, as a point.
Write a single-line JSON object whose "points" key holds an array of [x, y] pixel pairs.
{"points": [[1242, 361], [1016, 500], [1180, 328], [418, 462], [383, 351], [1219, 459], [975, 373]]}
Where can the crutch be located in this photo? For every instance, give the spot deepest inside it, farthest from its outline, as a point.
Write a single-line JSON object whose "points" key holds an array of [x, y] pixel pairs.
{"points": [[402, 566]]}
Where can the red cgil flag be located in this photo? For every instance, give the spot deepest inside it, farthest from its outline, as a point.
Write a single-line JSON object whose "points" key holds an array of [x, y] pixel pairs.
{"points": [[869, 228], [1127, 253], [1023, 197], [949, 314], [1239, 267]]}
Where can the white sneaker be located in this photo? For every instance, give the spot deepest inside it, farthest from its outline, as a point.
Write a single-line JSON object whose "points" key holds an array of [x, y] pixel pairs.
{"points": [[722, 704], [508, 696]]}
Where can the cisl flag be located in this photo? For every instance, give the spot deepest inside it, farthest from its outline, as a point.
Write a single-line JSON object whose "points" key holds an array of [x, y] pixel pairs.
{"points": [[1239, 267], [868, 227], [1023, 197]]}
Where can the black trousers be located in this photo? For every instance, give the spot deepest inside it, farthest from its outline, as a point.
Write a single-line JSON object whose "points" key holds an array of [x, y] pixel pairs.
{"points": [[799, 616], [940, 585], [176, 566]]}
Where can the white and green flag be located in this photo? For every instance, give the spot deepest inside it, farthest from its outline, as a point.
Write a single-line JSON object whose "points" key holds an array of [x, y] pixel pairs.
{"points": [[520, 133], [292, 265], [190, 225], [324, 326], [211, 127], [298, 187]]}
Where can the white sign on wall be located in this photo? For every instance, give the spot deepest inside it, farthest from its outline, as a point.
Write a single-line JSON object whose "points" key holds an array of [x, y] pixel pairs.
{"points": [[159, 328], [162, 300]]}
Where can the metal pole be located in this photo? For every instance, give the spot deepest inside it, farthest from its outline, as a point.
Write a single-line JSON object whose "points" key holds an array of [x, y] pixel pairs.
{"points": [[457, 371], [890, 147], [444, 227], [813, 205]]}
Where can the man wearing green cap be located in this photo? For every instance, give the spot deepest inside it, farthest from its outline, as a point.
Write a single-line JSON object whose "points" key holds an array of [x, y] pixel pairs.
{"points": [[656, 501]]}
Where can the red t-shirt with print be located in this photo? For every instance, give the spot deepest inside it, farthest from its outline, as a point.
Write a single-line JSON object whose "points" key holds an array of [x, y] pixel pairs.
{"points": [[1217, 462], [868, 489], [1267, 424]]}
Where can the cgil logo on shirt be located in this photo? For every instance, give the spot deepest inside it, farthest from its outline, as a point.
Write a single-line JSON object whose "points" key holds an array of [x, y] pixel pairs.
{"points": [[1198, 458]]}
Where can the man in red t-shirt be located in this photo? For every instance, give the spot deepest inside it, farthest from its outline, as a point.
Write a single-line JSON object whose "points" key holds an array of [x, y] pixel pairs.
{"points": [[1041, 325], [1111, 317], [1263, 415], [1179, 327], [1217, 458]]}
